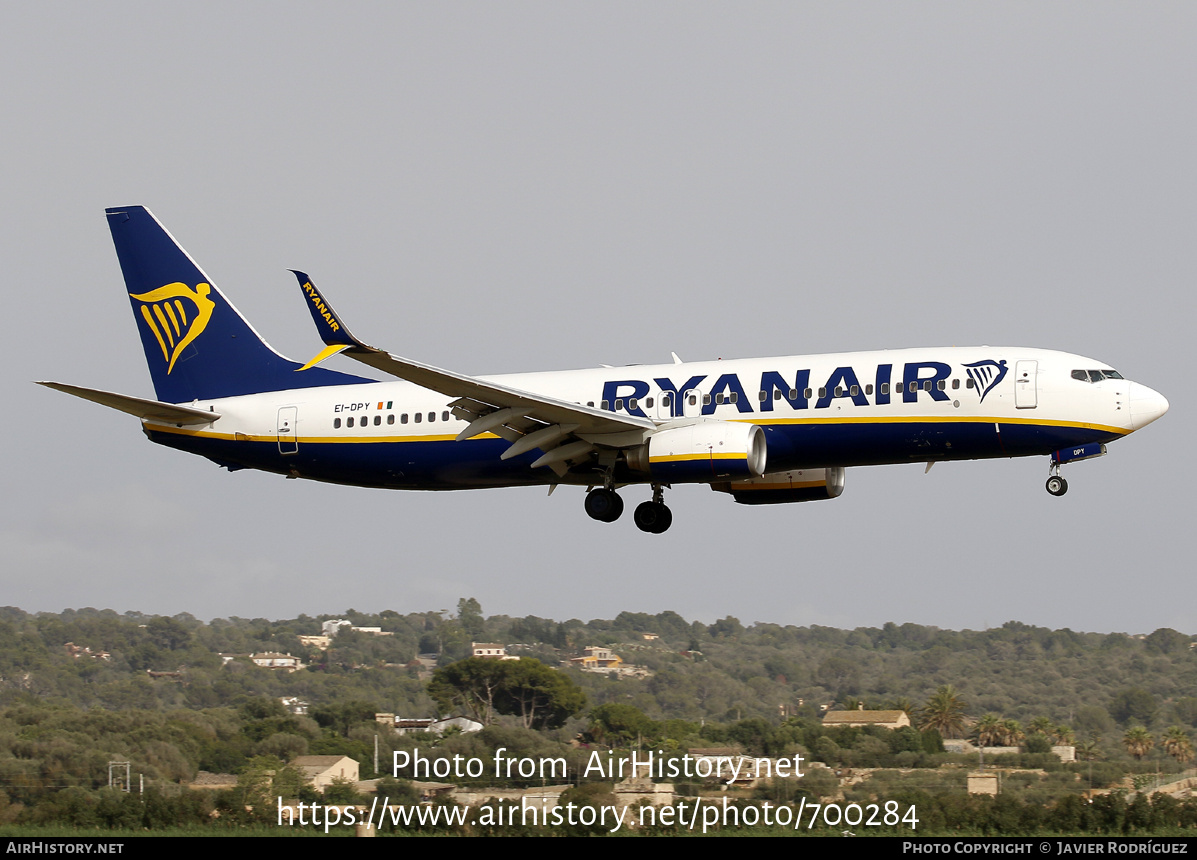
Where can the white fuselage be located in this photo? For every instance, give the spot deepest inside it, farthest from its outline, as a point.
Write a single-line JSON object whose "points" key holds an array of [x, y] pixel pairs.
{"points": [[817, 411]]}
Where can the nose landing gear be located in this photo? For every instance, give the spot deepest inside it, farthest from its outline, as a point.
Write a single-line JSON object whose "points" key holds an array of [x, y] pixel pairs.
{"points": [[1056, 485]]}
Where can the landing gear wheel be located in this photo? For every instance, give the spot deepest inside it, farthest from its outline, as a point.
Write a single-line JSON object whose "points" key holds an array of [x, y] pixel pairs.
{"points": [[604, 505], [653, 517], [1057, 486]]}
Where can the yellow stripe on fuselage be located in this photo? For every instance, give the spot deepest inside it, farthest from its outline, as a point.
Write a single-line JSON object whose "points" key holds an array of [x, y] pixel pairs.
{"points": [[271, 437], [357, 440], [946, 419]]}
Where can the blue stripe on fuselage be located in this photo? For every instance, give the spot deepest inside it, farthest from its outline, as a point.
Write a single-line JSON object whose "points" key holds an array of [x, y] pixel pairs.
{"points": [[446, 464]]}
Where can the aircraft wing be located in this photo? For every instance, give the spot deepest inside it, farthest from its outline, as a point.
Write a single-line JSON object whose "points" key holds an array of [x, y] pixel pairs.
{"points": [[152, 410], [564, 431]]}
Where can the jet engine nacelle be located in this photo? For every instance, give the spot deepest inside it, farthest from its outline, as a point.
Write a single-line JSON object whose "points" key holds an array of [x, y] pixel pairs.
{"points": [[702, 452], [775, 488]]}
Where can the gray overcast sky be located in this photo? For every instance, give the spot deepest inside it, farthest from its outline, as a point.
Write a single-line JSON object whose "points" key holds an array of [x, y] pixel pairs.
{"points": [[522, 186]]}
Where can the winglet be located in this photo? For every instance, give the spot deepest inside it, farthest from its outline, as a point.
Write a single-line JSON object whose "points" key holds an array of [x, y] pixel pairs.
{"points": [[333, 332], [327, 352]]}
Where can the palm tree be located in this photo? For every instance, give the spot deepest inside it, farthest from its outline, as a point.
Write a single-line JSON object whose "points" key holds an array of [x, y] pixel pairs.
{"points": [[1177, 744], [1012, 733], [1089, 750], [988, 730], [944, 712], [1138, 741], [1061, 735], [1041, 725]]}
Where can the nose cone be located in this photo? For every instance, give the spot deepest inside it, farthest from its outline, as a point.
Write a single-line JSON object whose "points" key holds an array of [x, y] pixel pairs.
{"points": [[1145, 405]]}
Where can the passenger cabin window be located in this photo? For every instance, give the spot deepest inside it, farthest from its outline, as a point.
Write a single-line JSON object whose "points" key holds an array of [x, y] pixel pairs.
{"points": [[348, 422], [403, 418], [885, 388], [336, 423], [706, 400], [969, 383], [391, 418], [444, 416], [822, 392], [718, 398], [941, 384], [377, 420], [868, 389], [955, 384], [419, 417], [648, 403]]}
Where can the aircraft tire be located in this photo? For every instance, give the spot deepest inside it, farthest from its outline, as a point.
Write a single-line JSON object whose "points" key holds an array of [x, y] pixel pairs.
{"points": [[604, 505], [653, 517], [1057, 486]]}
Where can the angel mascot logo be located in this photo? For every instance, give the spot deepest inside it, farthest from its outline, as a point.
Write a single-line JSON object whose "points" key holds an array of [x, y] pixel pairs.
{"points": [[177, 315], [986, 375]]}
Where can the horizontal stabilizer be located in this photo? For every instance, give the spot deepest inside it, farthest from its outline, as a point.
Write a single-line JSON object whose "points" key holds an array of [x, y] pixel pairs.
{"points": [[151, 410]]}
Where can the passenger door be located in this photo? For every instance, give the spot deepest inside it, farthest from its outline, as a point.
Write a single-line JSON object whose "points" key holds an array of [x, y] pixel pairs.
{"points": [[1025, 395], [288, 438]]}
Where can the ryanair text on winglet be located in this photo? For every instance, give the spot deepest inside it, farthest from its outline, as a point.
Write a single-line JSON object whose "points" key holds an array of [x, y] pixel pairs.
{"points": [[321, 306]]}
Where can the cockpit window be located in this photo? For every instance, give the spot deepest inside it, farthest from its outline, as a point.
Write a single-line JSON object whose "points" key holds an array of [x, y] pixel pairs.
{"points": [[1095, 375]]}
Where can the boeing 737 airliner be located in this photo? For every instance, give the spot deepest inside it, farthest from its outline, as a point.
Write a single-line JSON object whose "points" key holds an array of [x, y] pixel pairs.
{"points": [[765, 430]]}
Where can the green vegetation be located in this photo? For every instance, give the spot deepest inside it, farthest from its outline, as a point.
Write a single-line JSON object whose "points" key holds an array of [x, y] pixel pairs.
{"points": [[87, 687], [541, 697]]}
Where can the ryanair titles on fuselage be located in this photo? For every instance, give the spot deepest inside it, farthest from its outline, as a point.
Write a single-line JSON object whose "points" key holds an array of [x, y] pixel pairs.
{"points": [[915, 377]]}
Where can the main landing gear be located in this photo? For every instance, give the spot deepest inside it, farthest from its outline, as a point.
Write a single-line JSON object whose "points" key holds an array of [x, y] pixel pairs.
{"points": [[605, 505]]}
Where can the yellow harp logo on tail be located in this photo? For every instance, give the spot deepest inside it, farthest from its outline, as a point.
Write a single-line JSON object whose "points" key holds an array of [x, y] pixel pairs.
{"points": [[176, 314]]}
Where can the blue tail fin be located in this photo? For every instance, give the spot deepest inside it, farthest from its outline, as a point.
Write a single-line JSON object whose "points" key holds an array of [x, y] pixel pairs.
{"points": [[198, 346]]}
